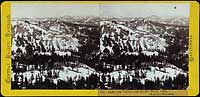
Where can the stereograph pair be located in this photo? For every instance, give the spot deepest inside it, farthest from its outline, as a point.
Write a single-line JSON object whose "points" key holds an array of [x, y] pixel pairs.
{"points": [[99, 46]]}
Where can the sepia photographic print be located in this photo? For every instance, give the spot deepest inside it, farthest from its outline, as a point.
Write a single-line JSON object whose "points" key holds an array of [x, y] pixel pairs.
{"points": [[100, 46]]}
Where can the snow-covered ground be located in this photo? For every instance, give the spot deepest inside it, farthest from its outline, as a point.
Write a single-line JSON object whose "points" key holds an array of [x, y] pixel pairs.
{"points": [[85, 71], [75, 73], [152, 74]]}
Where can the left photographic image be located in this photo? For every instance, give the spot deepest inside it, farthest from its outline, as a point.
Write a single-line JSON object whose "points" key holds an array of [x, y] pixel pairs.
{"points": [[55, 46]]}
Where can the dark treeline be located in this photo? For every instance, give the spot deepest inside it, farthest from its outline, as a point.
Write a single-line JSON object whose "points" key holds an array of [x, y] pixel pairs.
{"points": [[93, 82]]}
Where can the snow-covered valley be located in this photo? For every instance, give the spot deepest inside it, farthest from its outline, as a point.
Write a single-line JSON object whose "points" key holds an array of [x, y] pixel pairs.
{"points": [[108, 51]]}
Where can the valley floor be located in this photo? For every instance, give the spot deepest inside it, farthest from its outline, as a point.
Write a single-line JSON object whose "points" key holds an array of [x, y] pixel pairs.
{"points": [[85, 77]]}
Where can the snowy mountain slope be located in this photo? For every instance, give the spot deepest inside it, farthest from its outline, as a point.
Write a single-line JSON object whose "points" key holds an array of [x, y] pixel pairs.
{"points": [[41, 40], [129, 40]]}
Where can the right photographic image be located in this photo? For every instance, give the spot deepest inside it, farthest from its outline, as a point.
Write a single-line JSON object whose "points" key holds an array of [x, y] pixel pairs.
{"points": [[144, 46]]}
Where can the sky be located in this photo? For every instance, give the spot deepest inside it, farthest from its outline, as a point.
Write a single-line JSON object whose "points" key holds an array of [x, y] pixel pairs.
{"points": [[107, 10], [53, 10], [145, 10]]}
